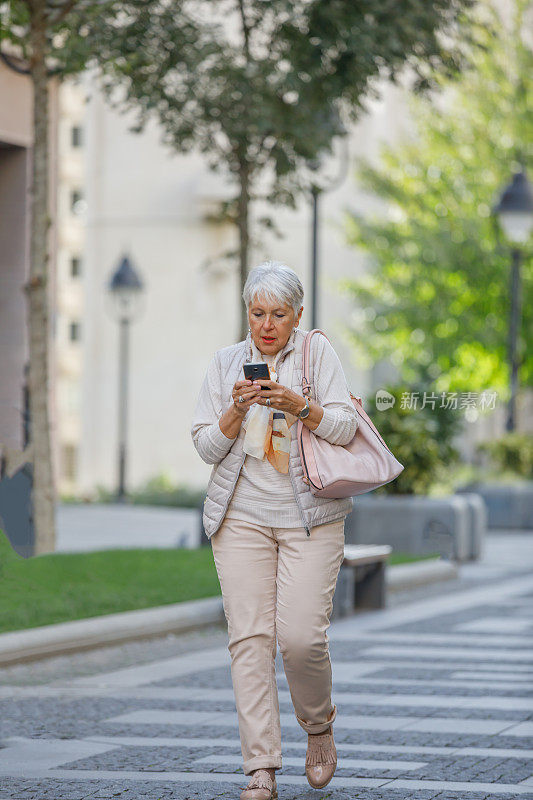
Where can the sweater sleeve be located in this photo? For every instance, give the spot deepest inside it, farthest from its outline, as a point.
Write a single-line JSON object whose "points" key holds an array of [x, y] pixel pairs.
{"points": [[211, 444], [340, 420]]}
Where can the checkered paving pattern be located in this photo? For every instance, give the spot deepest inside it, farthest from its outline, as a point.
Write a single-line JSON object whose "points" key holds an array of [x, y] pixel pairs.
{"points": [[434, 700]]}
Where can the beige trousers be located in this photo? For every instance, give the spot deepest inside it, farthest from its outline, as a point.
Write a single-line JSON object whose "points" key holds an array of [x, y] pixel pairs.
{"points": [[278, 583]]}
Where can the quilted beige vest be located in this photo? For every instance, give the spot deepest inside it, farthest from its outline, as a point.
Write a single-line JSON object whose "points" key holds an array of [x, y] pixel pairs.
{"points": [[224, 475]]}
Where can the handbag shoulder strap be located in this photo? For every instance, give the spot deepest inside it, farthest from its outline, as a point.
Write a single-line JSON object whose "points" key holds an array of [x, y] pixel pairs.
{"points": [[306, 383], [306, 373]]}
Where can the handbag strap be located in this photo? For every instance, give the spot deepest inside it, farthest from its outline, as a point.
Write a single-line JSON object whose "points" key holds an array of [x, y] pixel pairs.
{"points": [[306, 383]]}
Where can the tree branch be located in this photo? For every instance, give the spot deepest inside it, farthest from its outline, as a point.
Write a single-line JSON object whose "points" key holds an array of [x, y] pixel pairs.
{"points": [[245, 29], [12, 65], [63, 8]]}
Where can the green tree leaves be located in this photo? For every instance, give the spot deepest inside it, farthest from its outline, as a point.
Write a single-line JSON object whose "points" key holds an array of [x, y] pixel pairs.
{"points": [[440, 272]]}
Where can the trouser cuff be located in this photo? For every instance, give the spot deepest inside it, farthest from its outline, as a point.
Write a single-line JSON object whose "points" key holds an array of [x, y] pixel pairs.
{"points": [[262, 762], [318, 727]]}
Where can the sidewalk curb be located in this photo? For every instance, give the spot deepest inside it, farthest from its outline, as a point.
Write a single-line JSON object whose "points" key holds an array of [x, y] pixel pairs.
{"points": [[70, 637]]}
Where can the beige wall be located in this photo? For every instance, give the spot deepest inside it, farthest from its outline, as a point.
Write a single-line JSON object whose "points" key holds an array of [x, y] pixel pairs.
{"points": [[13, 339], [16, 108], [15, 139]]}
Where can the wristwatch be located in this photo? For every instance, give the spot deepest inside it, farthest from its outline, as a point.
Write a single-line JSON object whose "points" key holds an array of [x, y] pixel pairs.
{"points": [[306, 410]]}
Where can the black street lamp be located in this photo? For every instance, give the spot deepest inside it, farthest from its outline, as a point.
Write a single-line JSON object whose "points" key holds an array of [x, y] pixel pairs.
{"points": [[515, 214], [318, 186], [125, 289]]}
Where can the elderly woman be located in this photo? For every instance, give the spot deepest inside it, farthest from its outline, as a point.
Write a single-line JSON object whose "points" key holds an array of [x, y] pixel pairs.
{"points": [[277, 548]]}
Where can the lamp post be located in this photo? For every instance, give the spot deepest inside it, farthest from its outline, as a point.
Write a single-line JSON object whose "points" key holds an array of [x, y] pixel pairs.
{"points": [[514, 211], [318, 187], [125, 288]]}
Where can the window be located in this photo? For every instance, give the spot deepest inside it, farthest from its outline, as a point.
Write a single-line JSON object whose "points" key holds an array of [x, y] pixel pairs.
{"points": [[70, 457], [76, 136], [69, 391], [75, 198], [74, 332], [78, 204], [75, 267]]}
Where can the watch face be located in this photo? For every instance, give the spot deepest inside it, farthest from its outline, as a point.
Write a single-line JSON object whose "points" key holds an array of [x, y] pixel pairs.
{"points": [[304, 412]]}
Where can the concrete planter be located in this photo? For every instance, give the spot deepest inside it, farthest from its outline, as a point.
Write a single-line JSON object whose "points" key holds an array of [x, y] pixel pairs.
{"points": [[477, 510], [508, 505], [453, 526]]}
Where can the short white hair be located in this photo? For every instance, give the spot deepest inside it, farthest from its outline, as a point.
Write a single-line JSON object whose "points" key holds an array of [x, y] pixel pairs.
{"points": [[274, 281]]}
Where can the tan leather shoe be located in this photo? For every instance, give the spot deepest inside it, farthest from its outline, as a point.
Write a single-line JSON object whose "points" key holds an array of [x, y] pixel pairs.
{"points": [[261, 787], [321, 759]]}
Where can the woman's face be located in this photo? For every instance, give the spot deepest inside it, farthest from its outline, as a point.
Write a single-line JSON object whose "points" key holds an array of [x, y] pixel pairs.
{"points": [[271, 324]]}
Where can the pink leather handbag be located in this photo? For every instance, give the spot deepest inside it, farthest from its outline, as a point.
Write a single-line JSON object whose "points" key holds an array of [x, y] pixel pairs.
{"points": [[334, 470]]}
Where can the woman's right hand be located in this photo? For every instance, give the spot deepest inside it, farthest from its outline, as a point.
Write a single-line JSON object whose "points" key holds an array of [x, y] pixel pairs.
{"points": [[231, 420], [248, 391]]}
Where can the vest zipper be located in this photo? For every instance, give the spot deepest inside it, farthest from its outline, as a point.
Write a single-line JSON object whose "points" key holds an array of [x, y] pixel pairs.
{"points": [[297, 499]]}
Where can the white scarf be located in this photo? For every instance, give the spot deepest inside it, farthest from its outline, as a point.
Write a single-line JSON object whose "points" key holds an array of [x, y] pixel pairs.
{"points": [[267, 429]]}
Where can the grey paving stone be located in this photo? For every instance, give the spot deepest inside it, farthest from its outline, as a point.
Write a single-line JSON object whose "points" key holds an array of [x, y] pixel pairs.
{"points": [[429, 688]]}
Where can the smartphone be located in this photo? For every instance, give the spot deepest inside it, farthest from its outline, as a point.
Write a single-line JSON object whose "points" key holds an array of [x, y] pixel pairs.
{"points": [[254, 371]]}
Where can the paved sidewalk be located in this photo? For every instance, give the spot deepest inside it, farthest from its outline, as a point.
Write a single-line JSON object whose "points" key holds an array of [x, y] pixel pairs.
{"points": [[86, 527], [434, 695]]}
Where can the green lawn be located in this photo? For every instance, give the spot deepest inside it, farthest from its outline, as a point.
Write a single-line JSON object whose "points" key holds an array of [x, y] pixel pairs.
{"points": [[66, 586], [404, 558]]}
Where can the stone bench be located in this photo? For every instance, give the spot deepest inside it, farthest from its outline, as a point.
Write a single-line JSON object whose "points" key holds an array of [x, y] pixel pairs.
{"points": [[361, 581]]}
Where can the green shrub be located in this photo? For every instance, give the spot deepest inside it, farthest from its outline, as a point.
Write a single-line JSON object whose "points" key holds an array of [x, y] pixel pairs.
{"points": [[511, 453], [156, 491], [420, 438], [160, 490]]}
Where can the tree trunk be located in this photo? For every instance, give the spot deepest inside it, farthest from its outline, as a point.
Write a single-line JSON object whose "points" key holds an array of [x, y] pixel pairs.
{"points": [[43, 496], [243, 223]]}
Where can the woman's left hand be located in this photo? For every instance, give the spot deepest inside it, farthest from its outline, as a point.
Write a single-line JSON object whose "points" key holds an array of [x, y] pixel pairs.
{"points": [[281, 397]]}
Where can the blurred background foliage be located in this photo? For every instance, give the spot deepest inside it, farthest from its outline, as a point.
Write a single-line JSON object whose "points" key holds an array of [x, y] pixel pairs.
{"points": [[512, 453], [159, 490], [420, 438], [424, 440], [436, 298]]}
